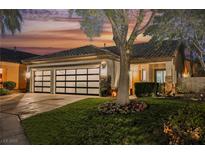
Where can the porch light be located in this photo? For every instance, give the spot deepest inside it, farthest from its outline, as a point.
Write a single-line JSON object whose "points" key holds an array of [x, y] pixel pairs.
{"points": [[28, 75], [103, 64]]}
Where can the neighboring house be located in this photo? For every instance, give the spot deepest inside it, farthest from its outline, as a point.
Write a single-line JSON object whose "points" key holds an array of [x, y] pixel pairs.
{"points": [[79, 70], [11, 68]]}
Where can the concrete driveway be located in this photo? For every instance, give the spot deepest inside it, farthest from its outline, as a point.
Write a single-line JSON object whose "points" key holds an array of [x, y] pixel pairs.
{"points": [[15, 107], [29, 104]]}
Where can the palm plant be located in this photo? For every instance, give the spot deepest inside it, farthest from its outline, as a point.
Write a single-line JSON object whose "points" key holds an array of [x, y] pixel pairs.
{"points": [[10, 21]]}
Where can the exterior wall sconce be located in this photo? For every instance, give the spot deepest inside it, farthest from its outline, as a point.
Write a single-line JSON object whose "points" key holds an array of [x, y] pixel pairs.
{"points": [[103, 64], [28, 75]]}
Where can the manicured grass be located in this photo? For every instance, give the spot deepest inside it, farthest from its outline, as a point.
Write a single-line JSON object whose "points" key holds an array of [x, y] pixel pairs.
{"points": [[80, 123]]}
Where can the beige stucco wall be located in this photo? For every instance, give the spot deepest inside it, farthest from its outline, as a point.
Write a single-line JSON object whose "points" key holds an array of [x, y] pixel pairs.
{"points": [[14, 72], [22, 76], [193, 84]]}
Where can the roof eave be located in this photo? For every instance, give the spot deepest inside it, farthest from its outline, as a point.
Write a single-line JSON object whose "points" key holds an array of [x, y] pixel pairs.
{"points": [[147, 60], [70, 58]]}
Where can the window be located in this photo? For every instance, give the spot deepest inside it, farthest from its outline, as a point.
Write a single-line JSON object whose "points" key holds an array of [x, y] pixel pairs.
{"points": [[160, 76], [143, 75]]}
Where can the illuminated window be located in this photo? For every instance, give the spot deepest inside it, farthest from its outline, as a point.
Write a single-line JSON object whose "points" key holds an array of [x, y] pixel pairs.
{"points": [[143, 75], [160, 76]]}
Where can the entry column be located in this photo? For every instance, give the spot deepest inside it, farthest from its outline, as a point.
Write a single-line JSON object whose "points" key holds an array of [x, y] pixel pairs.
{"points": [[53, 79]]}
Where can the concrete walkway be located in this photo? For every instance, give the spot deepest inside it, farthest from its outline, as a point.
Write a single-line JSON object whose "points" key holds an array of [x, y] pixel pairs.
{"points": [[11, 132], [20, 106]]}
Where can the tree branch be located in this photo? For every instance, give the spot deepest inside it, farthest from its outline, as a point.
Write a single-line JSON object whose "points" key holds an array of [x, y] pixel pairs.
{"points": [[119, 28], [116, 35], [200, 54], [137, 31]]}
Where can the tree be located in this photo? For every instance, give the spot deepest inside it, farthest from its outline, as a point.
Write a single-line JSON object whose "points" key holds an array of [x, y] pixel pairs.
{"points": [[10, 21], [187, 26], [120, 20]]}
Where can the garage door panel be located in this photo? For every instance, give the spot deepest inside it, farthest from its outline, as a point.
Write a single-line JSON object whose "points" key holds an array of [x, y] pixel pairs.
{"points": [[81, 90], [93, 91], [93, 71], [60, 90], [38, 73], [81, 84], [70, 72], [93, 77], [42, 81], [46, 78], [70, 78], [47, 73], [60, 72], [60, 78], [81, 71], [81, 77], [70, 84], [70, 90], [38, 89], [38, 78], [38, 83], [93, 84], [47, 84], [46, 90], [60, 84]]}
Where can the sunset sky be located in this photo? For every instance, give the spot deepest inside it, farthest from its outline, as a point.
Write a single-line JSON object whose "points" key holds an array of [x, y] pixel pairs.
{"points": [[47, 31]]}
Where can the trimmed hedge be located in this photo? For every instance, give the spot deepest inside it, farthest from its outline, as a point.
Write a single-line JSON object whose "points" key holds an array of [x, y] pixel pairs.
{"points": [[3, 91], [10, 85], [105, 86], [147, 88]]}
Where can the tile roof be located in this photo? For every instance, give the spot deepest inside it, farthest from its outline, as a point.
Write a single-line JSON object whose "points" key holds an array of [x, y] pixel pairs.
{"points": [[144, 50], [150, 50], [12, 55], [81, 51]]}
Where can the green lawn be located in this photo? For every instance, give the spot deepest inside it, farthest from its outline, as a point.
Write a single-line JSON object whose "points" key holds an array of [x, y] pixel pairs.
{"points": [[80, 123]]}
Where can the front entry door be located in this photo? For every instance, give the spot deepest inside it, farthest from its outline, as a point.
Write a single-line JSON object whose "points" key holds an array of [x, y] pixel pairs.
{"points": [[160, 76]]}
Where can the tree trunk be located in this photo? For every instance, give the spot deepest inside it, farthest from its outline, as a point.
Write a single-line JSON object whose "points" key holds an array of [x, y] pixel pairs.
{"points": [[123, 89]]}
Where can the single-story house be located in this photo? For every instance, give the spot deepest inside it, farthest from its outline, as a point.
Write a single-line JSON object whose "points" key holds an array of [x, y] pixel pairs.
{"points": [[11, 67], [79, 70]]}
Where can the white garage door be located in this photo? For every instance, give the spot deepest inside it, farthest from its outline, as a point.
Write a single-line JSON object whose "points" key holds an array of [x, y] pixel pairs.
{"points": [[78, 81], [42, 81]]}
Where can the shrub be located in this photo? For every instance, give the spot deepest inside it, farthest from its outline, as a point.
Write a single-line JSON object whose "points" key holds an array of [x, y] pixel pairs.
{"points": [[182, 88], [10, 85], [3, 91], [113, 107], [105, 86], [186, 127], [147, 88]]}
